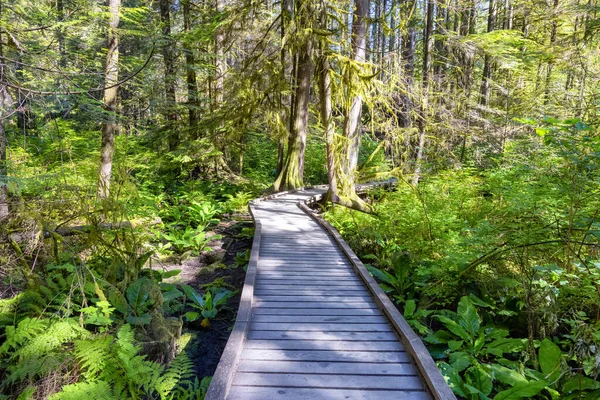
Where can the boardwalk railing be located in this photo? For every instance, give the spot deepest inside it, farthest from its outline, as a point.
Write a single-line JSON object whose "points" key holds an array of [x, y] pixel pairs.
{"points": [[224, 375]]}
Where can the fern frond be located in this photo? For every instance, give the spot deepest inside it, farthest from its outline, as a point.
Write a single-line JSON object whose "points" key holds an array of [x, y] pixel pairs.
{"points": [[57, 334], [25, 331], [179, 373], [98, 390], [92, 355]]}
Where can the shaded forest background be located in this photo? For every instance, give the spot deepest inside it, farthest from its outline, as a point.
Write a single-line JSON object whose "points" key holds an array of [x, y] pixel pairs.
{"points": [[132, 130]]}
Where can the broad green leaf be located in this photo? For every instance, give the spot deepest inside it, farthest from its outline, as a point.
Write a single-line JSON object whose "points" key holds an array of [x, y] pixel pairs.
{"points": [[580, 382], [454, 328], [454, 345], [138, 293], [409, 308], [522, 389], [193, 295], [550, 359], [381, 275], [460, 361], [506, 375], [480, 380], [453, 378], [191, 316], [468, 317], [171, 273], [171, 295], [505, 345]]}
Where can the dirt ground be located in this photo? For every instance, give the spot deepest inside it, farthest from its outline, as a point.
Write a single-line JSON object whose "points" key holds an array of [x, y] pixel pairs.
{"points": [[204, 346]]}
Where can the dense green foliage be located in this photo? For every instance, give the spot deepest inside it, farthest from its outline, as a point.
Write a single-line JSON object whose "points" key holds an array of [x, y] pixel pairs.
{"points": [[515, 249]]}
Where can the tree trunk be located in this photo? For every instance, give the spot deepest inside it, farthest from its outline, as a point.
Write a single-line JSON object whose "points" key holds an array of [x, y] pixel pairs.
{"points": [[111, 77], [287, 12], [220, 62], [551, 61], [408, 62], [190, 63], [291, 176], [484, 99], [427, 50], [326, 111], [169, 78], [346, 170]]}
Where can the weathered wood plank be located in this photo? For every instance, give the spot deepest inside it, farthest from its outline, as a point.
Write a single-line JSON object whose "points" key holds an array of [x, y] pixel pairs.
{"points": [[325, 336], [341, 299], [294, 278], [270, 393], [318, 319], [290, 326], [302, 367], [316, 311], [328, 381], [312, 293], [349, 303], [332, 345], [316, 283], [317, 356]]}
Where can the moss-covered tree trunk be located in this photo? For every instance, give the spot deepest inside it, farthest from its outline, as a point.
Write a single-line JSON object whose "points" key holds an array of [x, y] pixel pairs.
{"points": [[291, 175], [326, 110], [168, 55], [348, 157], [111, 77], [5, 100], [190, 64], [428, 44]]}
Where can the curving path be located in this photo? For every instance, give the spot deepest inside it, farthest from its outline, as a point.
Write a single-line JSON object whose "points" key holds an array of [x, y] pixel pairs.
{"points": [[313, 324]]}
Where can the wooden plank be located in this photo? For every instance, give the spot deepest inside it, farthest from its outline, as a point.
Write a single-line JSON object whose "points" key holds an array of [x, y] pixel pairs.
{"points": [[290, 326], [297, 298], [311, 295], [327, 356], [322, 285], [302, 367], [325, 336], [318, 319], [328, 381], [306, 268], [315, 311], [350, 303], [304, 264], [332, 345], [274, 393], [302, 278]]}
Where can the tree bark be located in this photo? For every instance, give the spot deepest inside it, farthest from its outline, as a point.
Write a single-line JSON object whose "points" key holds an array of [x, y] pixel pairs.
{"points": [[169, 78], [550, 66], [346, 170], [110, 98], [326, 111], [484, 98], [190, 63], [287, 12], [427, 50], [291, 176], [408, 62]]}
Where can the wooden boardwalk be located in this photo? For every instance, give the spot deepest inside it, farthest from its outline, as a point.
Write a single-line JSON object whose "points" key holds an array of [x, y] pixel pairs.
{"points": [[313, 324]]}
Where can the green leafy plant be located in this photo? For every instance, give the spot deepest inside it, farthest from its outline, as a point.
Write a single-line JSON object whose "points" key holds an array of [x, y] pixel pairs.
{"points": [[190, 240], [208, 305], [398, 282], [202, 214]]}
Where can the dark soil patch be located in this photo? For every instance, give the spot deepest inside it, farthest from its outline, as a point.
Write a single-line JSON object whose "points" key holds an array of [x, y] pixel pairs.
{"points": [[220, 267]]}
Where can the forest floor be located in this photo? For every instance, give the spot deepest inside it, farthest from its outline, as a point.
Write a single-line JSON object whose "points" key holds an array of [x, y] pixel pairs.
{"points": [[220, 267]]}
